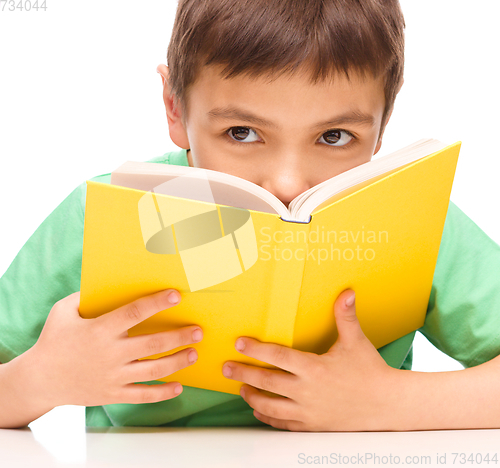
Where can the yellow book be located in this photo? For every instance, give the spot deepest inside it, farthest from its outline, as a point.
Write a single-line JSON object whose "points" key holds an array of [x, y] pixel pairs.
{"points": [[246, 266]]}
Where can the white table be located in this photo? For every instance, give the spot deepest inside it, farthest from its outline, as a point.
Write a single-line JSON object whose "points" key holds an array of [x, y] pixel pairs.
{"points": [[240, 447]]}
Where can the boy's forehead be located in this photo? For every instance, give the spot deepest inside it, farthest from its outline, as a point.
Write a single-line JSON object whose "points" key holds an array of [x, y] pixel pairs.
{"points": [[211, 90]]}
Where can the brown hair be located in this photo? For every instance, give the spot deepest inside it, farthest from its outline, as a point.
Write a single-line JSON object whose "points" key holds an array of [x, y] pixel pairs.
{"points": [[273, 37]]}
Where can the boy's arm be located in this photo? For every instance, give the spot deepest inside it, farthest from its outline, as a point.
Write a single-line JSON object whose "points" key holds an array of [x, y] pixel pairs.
{"points": [[20, 403], [44, 271], [464, 399], [463, 316]]}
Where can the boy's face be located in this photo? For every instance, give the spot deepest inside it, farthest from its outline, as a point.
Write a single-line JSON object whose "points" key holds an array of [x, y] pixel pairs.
{"points": [[286, 136]]}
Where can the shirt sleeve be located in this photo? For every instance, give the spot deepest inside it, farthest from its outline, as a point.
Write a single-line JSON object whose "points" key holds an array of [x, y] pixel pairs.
{"points": [[45, 270], [463, 315]]}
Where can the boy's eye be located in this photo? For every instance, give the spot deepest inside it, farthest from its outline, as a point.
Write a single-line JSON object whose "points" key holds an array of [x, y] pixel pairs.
{"points": [[243, 134], [336, 137], [331, 137]]}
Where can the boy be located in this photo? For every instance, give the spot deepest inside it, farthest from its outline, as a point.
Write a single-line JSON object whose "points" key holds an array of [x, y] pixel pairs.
{"points": [[259, 89]]}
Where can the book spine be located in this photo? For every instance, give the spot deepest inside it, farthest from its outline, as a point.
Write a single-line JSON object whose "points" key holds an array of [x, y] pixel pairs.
{"points": [[288, 248]]}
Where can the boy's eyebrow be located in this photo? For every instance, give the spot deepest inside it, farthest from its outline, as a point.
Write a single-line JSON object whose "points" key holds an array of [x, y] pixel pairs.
{"points": [[233, 113]]}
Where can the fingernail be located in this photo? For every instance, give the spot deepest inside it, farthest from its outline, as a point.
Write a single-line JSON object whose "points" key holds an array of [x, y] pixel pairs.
{"points": [[197, 335], [174, 298], [178, 389], [227, 371], [350, 300], [192, 356], [240, 344]]}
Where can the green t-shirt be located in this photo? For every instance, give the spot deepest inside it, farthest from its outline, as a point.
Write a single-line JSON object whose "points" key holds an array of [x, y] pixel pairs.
{"points": [[463, 316]]}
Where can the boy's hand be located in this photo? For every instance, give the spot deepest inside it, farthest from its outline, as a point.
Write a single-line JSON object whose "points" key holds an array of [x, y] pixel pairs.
{"points": [[93, 362], [345, 389]]}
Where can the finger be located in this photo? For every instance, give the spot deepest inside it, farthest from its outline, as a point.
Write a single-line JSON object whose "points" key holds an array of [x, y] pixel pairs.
{"points": [[273, 406], [142, 393], [275, 381], [348, 326], [154, 369], [141, 346], [285, 425], [129, 315], [283, 357]]}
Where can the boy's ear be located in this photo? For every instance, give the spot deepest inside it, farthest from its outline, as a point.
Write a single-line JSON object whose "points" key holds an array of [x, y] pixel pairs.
{"points": [[176, 127]]}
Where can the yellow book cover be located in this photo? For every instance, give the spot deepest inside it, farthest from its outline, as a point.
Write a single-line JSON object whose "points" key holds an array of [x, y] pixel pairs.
{"points": [[250, 273]]}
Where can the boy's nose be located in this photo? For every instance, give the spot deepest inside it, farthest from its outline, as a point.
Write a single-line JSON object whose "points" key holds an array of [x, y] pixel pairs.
{"points": [[286, 184]]}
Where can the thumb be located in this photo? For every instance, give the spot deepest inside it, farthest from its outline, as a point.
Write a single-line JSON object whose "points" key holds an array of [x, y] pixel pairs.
{"points": [[345, 317]]}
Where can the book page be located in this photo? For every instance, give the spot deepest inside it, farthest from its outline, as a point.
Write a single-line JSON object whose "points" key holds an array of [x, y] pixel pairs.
{"points": [[225, 189]]}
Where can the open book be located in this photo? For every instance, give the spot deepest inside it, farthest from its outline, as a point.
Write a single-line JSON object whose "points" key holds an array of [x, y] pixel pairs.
{"points": [[248, 266]]}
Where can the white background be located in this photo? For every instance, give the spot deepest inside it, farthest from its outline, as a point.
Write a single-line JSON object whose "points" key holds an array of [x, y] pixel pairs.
{"points": [[79, 95]]}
